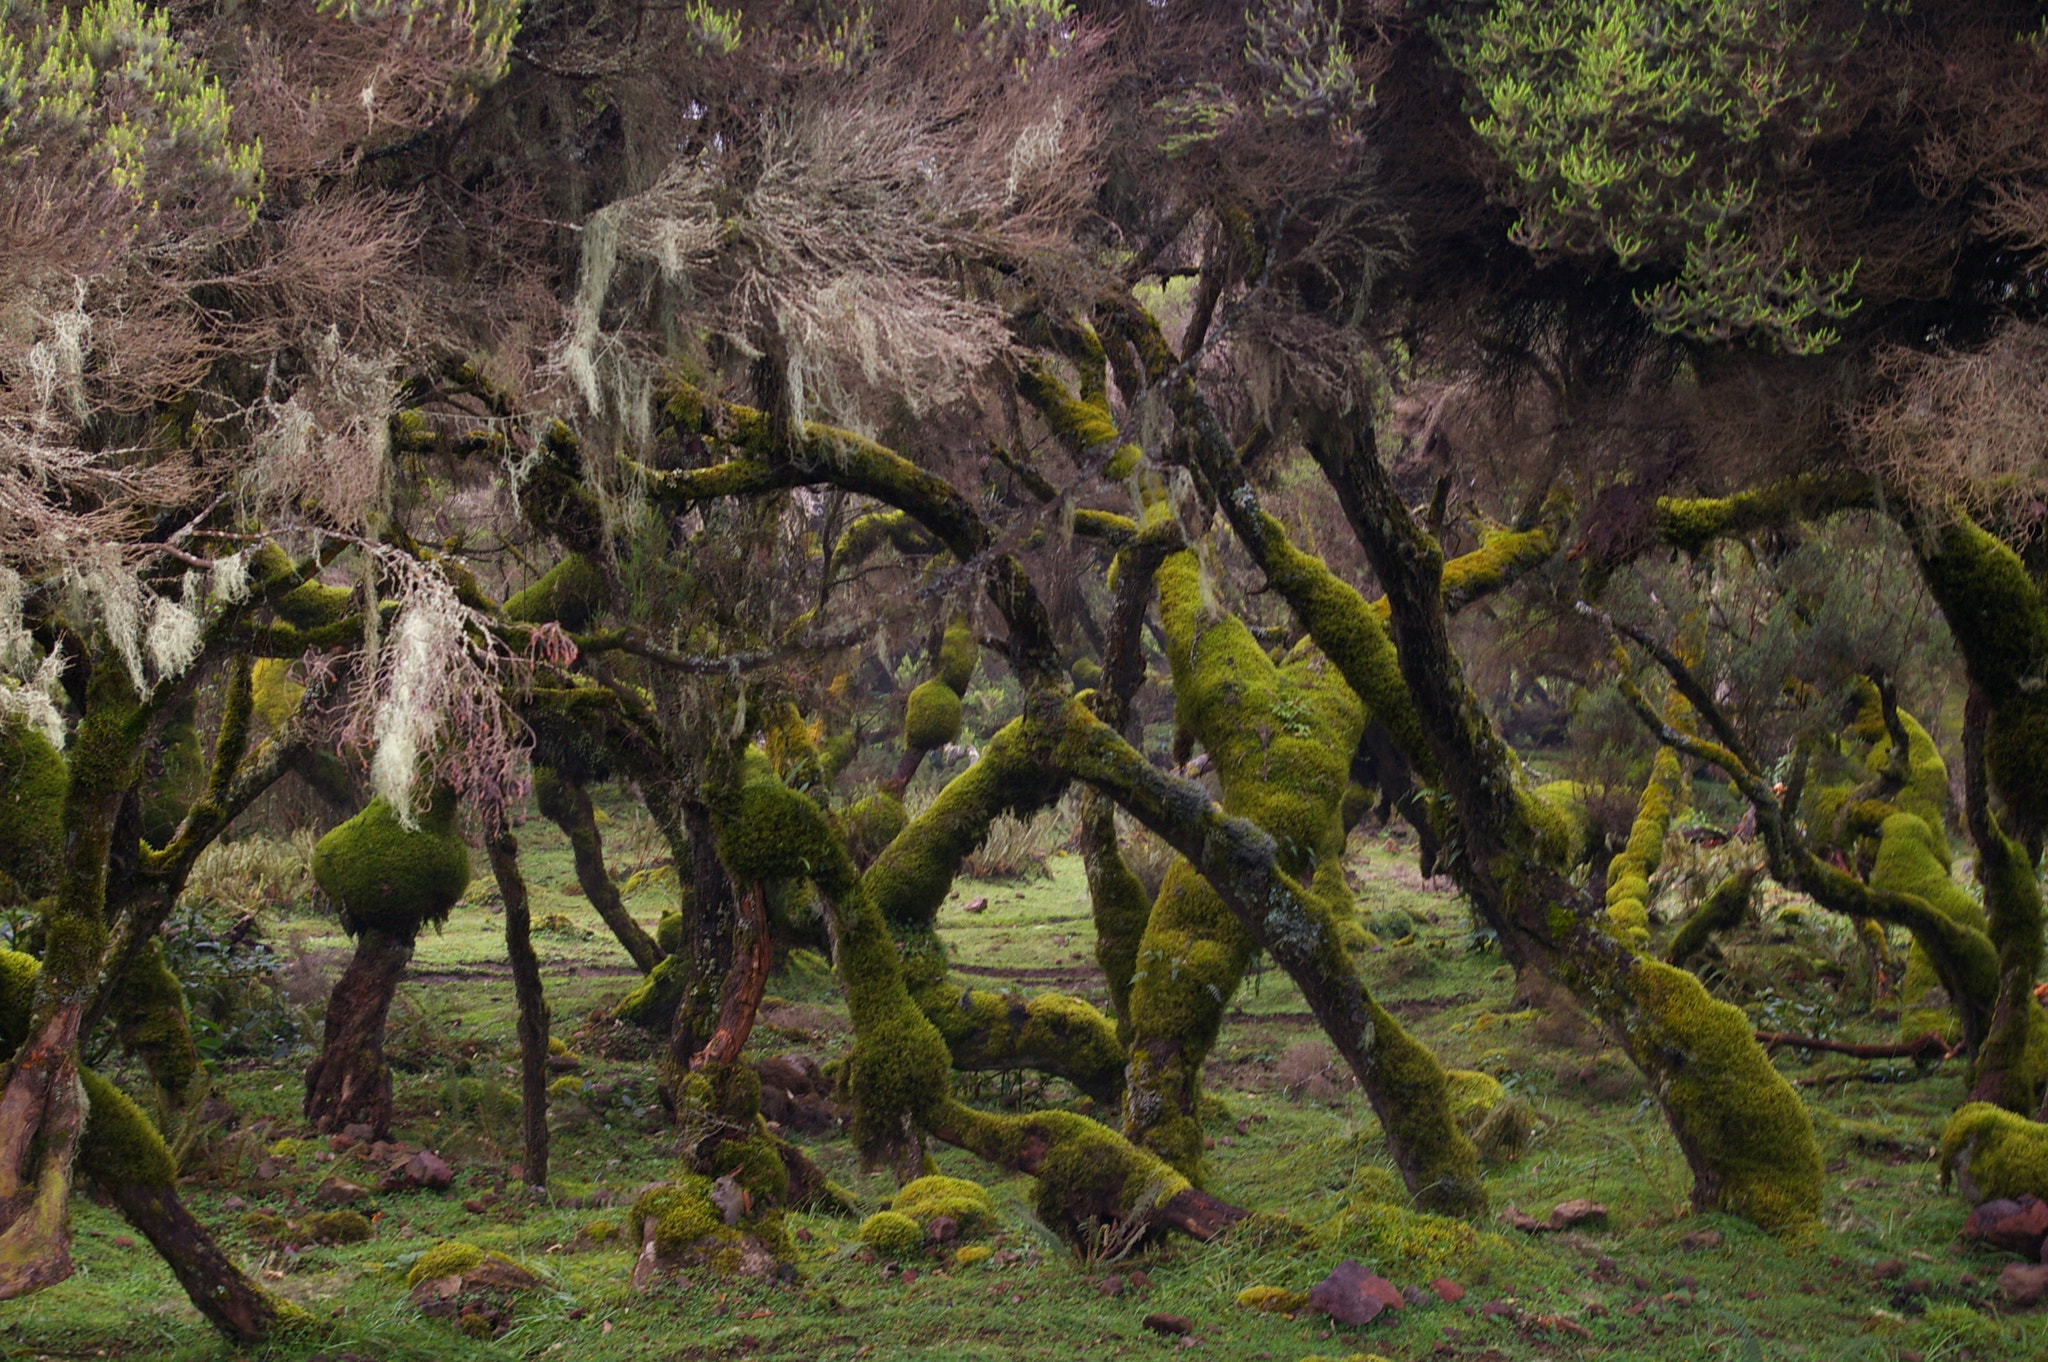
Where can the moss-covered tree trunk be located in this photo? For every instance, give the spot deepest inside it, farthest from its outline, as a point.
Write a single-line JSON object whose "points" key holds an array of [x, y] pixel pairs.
{"points": [[1744, 1132], [503, 850], [705, 953], [349, 1081], [42, 1105]]}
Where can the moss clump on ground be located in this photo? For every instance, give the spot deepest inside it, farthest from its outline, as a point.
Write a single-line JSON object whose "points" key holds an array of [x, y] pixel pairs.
{"points": [[450, 1258], [892, 1233], [1990, 1153], [965, 1203], [1276, 1300], [384, 876], [336, 1227]]}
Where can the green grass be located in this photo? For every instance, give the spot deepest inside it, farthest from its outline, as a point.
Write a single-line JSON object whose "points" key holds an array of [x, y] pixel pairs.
{"points": [[1886, 1278]]}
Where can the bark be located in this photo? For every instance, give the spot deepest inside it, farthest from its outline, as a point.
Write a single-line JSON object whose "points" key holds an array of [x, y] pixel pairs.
{"points": [[566, 803], [709, 916], [349, 1082], [42, 1114], [2012, 901], [1925, 1050], [746, 984], [217, 1287], [503, 849]]}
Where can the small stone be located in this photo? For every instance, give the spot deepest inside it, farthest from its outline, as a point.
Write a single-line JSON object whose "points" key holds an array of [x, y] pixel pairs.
{"points": [[1700, 1240], [1885, 1269], [803, 1236], [1137, 1280], [428, 1171], [1169, 1324], [269, 1169], [1413, 1294], [942, 1229], [339, 1191], [340, 1144], [474, 1206], [234, 1205], [1111, 1285], [123, 1241], [975, 905], [1352, 1295], [909, 1275], [2024, 1284], [1447, 1291], [361, 1132], [1521, 1219], [1578, 1211]]}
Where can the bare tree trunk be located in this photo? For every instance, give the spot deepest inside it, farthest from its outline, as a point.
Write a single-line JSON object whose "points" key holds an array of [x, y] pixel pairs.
{"points": [[706, 947], [503, 849], [566, 803], [218, 1288], [746, 984], [349, 1083]]}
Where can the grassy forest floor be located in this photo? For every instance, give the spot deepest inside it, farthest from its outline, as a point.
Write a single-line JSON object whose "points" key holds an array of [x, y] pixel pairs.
{"points": [[1887, 1278]]}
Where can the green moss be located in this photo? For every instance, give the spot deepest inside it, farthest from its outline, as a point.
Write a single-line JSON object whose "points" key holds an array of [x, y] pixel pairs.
{"points": [[1565, 834], [933, 716], [1742, 1127], [449, 1258], [335, 1227], [891, 1233], [174, 777], [756, 1162], [571, 593], [652, 1002], [1913, 859], [385, 876], [870, 532], [565, 1087], [120, 1144], [150, 1018], [965, 1202], [872, 823], [770, 832], [682, 1212], [601, 1231], [310, 605], [958, 654], [32, 782], [18, 973], [1991, 1153], [1628, 874]]}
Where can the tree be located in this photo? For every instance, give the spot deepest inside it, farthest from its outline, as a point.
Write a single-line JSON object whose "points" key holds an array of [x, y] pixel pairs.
{"points": [[1035, 343]]}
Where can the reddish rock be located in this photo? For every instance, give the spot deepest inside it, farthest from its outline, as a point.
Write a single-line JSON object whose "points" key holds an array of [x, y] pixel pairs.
{"points": [[1352, 1295], [1169, 1324], [338, 1191], [1447, 1291], [942, 1229], [2015, 1226], [975, 905], [1884, 1269], [1138, 1280], [2024, 1284], [1111, 1285], [1579, 1211], [429, 1171]]}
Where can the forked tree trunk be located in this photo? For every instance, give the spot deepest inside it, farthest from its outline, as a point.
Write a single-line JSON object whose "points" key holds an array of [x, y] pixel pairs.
{"points": [[350, 1083], [503, 849]]}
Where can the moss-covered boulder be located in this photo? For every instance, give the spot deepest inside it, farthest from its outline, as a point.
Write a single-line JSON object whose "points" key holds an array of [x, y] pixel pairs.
{"points": [[386, 877], [963, 1202], [688, 1229], [32, 779], [1990, 1153], [472, 1288], [891, 1233]]}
